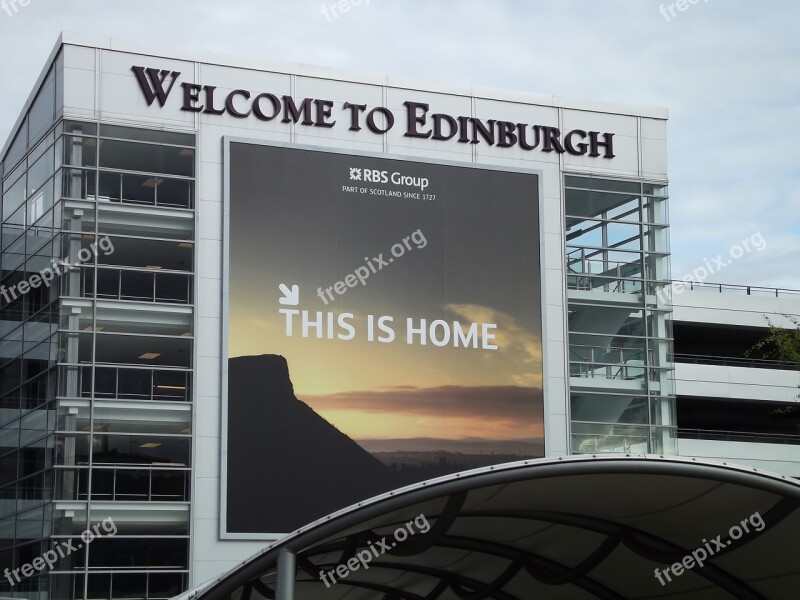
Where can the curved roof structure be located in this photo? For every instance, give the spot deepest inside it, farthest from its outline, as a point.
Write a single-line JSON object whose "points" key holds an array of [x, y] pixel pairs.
{"points": [[609, 527]]}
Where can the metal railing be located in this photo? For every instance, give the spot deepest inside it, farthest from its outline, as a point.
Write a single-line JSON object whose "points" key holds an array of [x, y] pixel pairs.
{"points": [[739, 436], [588, 442], [125, 383], [735, 361], [145, 189], [141, 285], [124, 484], [151, 585], [607, 362], [748, 290], [587, 274]]}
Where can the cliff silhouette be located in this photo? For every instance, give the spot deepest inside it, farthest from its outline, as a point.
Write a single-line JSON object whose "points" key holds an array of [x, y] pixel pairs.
{"points": [[286, 464]]}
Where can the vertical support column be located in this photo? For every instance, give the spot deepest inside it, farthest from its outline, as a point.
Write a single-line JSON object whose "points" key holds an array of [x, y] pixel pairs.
{"points": [[286, 575]]}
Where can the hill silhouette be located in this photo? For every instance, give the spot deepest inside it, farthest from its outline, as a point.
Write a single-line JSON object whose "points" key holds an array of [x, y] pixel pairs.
{"points": [[286, 464]]}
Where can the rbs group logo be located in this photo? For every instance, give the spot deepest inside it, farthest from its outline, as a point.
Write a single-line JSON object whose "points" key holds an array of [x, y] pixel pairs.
{"points": [[397, 178]]}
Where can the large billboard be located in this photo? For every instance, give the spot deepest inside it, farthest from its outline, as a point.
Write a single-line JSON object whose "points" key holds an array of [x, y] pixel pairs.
{"points": [[384, 327]]}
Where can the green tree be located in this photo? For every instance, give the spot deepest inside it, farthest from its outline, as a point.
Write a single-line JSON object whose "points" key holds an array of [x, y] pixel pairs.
{"points": [[783, 345], [779, 344]]}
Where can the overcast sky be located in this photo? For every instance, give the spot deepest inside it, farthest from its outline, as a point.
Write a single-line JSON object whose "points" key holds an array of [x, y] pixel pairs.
{"points": [[727, 70]]}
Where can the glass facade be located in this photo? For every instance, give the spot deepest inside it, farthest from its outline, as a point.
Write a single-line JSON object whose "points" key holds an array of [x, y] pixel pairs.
{"points": [[620, 339], [96, 360]]}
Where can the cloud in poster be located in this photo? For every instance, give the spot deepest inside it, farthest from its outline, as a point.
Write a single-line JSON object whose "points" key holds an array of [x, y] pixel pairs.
{"points": [[521, 347], [448, 412]]}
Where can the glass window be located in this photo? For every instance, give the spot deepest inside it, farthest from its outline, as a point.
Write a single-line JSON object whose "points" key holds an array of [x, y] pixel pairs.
{"points": [[584, 233], [8, 472], [153, 255], [77, 127], [591, 437], [72, 449], [147, 158], [129, 586], [40, 171], [655, 210], [170, 486], [18, 218], [171, 385], [147, 135], [78, 184], [13, 199], [98, 587], [40, 202], [18, 147], [626, 211], [144, 350], [599, 204], [175, 192], [139, 189], [12, 177], [79, 151], [162, 586], [141, 449], [9, 438], [41, 148], [623, 235], [42, 110], [110, 186], [655, 189], [163, 553], [173, 287], [595, 183], [609, 408]]}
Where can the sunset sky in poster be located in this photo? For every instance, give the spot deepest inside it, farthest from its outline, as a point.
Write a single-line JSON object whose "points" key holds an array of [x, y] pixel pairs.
{"points": [[291, 223]]}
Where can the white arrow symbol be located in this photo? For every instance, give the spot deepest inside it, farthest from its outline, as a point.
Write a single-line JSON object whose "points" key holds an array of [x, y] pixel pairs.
{"points": [[291, 296]]}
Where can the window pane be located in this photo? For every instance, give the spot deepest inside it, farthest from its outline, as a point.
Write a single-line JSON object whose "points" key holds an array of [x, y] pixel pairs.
{"points": [[175, 192], [139, 188], [80, 151], [78, 184], [129, 586], [594, 183], [18, 147], [80, 128], [41, 170], [40, 202], [148, 158], [147, 135], [163, 553], [585, 203], [166, 585], [40, 149], [141, 450], [14, 198], [609, 408], [42, 110]]}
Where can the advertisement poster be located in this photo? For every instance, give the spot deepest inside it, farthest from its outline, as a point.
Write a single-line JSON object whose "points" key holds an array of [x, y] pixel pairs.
{"points": [[384, 328]]}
